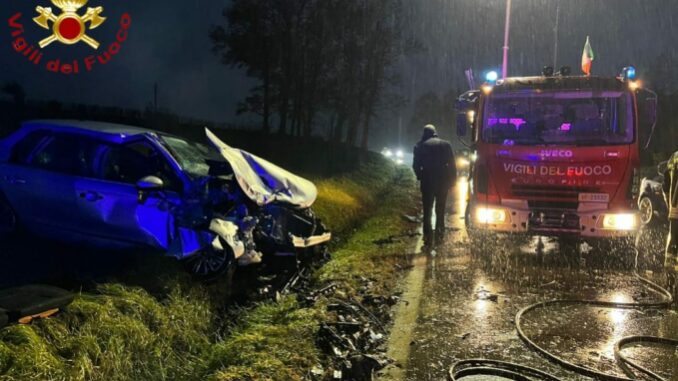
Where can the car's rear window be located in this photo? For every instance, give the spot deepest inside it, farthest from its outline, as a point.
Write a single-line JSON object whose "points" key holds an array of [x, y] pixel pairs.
{"points": [[67, 154], [25, 147]]}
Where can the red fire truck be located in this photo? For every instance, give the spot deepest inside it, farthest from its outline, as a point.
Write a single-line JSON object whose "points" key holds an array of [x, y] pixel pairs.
{"points": [[556, 155]]}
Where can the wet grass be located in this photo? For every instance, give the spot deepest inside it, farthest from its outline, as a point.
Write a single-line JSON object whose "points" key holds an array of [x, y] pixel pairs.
{"points": [[171, 328]]}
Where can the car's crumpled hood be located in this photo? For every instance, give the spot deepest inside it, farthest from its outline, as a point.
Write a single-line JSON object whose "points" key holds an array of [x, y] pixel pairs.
{"points": [[264, 182]]}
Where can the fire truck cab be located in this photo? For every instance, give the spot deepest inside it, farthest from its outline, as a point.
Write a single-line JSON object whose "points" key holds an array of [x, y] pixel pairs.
{"points": [[556, 156]]}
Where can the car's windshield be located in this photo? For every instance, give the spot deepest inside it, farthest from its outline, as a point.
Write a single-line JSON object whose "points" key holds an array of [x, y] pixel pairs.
{"points": [[558, 117], [191, 156]]}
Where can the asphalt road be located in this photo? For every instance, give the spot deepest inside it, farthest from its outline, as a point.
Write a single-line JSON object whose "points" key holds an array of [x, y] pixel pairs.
{"points": [[468, 304]]}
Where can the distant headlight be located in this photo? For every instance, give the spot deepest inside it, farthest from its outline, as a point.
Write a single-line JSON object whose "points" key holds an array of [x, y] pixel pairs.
{"points": [[463, 162], [399, 161], [400, 153], [491, 215], [621, 221], [388, 153]]}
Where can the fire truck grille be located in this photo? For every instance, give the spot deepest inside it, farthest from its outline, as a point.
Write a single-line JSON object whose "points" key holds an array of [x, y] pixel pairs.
{"points": [[554, 205], [553, 220], [564, 194]]}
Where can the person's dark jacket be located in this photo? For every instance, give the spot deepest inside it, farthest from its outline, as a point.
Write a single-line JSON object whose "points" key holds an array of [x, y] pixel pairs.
{"points": [[434, 161], [671, 186]]}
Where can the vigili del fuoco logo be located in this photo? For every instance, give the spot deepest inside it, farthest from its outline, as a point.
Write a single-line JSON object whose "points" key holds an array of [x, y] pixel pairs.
{"points": [[67, 25]]}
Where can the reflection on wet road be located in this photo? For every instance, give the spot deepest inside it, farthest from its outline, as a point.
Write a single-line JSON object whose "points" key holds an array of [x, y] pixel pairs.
{"points": [[469, 304]]}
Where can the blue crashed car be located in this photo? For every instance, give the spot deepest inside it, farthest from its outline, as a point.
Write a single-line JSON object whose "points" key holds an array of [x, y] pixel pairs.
{"points": [[118, 186]]}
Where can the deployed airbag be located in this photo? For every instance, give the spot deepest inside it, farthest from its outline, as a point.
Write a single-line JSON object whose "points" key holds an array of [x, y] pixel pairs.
{"points": [[264, 182]]}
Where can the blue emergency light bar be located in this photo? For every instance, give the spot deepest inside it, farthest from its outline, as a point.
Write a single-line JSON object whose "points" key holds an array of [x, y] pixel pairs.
{"points": [[492, 77]]}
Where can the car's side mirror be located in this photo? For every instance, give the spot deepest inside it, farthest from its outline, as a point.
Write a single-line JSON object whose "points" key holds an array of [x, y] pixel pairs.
{"points": [[150, 183]]}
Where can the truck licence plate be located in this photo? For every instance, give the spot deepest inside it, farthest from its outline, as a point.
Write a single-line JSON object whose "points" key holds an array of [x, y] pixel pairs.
{"points": [[594, 197]]}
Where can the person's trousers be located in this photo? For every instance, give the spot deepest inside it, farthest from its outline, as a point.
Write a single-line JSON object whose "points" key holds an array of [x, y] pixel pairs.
{"points": [[434, 195], [672, 245], [671, 258]]}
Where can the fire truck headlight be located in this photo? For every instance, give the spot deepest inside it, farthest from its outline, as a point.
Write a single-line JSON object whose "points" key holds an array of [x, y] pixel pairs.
{"points": [[622, 221], [491, 215]]}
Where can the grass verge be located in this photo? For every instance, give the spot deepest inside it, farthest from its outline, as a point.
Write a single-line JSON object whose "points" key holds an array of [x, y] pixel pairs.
{"points": [[133, 333]]}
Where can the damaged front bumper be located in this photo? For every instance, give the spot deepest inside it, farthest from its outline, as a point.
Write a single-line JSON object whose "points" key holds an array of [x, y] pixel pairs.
{"points": [[303, 243]]}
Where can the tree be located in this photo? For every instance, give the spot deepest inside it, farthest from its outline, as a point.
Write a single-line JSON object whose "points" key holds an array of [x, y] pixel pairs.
{"points": [[313, 57], [247, 42]]}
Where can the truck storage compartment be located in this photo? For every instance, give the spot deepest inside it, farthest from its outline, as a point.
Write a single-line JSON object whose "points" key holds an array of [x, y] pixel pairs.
{"points": [[33, 300]]}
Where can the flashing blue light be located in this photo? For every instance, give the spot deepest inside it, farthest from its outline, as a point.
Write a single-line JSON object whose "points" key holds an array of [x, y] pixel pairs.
{"points": [[631, 73], [492, 76]]}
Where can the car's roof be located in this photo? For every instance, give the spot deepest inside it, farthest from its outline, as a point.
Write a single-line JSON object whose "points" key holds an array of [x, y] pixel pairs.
{"points": [[107, 131], [101, 127]]}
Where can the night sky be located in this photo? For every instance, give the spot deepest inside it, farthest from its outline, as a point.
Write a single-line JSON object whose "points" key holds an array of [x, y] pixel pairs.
{"points": [[169, 44]]}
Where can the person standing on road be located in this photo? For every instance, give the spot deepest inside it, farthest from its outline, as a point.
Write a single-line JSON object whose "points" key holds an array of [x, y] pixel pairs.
{"points": [[436, 170], [670, 188]]}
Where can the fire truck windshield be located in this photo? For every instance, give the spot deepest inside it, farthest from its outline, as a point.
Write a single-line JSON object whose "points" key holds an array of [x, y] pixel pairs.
{"points": [[582, 118]]}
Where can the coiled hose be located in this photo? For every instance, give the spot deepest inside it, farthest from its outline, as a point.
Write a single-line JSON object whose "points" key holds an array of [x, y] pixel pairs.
{"points": [[466, 368]]}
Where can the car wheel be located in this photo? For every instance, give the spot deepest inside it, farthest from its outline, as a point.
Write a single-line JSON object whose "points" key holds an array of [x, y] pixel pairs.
{"points": [[646, 209], [210, 264], [8, 219]]}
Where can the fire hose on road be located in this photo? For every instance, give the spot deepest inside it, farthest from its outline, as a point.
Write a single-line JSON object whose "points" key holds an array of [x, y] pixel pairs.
{"points": [[474, 367]]}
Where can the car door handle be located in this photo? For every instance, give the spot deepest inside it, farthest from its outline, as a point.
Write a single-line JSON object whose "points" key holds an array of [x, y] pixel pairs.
{"points": [[91, 196]]}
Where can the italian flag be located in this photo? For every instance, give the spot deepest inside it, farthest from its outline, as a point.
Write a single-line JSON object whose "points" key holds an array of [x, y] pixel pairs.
{"points": [[587, 57]]}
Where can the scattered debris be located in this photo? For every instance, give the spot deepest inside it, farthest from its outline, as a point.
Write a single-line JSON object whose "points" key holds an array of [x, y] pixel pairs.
{"points": [[354, 336], [392, 238], [26, 303], [483, 294], [384, 241], [405, 267], [317, 372], [411, 219]]}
